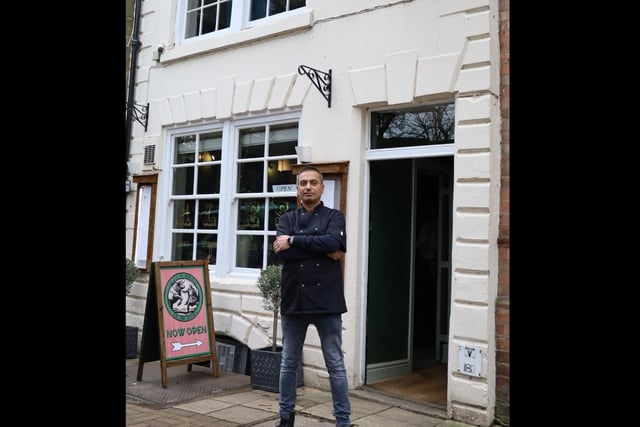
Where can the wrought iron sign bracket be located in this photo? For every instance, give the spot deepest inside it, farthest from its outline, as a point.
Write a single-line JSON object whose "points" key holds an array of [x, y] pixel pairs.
{"points": [[140, 113], [320, 79]]}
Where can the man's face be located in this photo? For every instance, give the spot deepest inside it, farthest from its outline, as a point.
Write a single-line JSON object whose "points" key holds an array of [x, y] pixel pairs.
{"points": [[310, 187]]}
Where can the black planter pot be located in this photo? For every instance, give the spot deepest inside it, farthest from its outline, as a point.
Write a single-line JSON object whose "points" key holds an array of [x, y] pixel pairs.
{"points": [[131, 346], [265, 369]]}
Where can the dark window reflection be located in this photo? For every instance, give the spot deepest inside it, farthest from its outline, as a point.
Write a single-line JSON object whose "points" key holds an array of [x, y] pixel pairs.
{"points": [[224, 19], [429, 125], [185, 149], [283, 139], [184, 213], [272, 258], [251, 214], [252, 143], [259, 7], [295, 4], [249, 252], [208, 214], [207, 247], [250, 177], [280, 172], [183, 180], [209, 19], [182, 247], [277, 208], [209, 179], [277, 6]]}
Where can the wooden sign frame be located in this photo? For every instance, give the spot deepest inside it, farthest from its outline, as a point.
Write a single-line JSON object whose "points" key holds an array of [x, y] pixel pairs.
{"points": [[179, 313]]}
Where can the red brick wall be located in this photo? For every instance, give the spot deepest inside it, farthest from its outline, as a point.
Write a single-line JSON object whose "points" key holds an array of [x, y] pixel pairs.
{"points": [[502, 302]]}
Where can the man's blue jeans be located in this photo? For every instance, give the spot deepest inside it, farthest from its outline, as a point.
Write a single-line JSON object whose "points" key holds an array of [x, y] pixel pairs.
{"points": [[294, 331]]}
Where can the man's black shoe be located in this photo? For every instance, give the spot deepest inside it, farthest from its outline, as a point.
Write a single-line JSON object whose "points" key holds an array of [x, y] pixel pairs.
{"points": [[287, 422]]}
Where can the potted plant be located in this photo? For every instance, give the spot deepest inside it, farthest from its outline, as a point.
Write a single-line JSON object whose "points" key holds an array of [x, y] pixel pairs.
{"points": [[265, 361], [131, 273], [131, 346]]}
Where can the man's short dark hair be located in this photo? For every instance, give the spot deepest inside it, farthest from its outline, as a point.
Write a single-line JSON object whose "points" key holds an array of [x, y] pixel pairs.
{"points": [[312, 168]]}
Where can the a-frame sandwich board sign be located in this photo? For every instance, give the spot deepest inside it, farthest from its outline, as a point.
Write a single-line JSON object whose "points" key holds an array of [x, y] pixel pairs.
{"points": [[178, 321]]}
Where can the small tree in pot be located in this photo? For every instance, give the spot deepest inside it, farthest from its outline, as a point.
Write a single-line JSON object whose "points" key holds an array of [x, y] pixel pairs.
{"points": [[131, 272], [131, 332], [269, 285], [265, 362]]}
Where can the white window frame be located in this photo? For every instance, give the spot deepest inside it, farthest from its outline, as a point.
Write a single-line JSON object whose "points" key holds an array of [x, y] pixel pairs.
{"points": [[228, 200], [240, 11], [433, 150]]}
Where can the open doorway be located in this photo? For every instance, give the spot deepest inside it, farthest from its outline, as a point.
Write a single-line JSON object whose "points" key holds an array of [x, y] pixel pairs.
{"points": [[409, 275]]}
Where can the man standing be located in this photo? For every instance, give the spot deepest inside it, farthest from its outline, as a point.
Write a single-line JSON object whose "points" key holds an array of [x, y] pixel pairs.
{"points": [[310, 242]]}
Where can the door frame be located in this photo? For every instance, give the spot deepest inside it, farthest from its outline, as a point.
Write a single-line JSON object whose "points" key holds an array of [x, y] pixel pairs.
{"points": [[416, 152]]}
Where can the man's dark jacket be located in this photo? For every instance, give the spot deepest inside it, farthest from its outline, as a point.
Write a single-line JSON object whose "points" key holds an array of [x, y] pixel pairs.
{"points": [[312, 283]]}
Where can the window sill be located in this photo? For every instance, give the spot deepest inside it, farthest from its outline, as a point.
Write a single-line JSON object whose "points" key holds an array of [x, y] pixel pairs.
{"points": [[225, 40]]}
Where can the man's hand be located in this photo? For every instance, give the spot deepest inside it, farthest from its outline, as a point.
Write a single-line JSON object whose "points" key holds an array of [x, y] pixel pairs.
{"points": [[281, 243]]}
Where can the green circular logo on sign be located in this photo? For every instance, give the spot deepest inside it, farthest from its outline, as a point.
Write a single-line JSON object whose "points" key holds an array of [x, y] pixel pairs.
{"points": [[183, 297]]}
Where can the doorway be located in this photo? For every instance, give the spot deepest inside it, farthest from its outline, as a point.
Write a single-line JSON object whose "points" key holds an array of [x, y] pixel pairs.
{"points": [[409, 276]]}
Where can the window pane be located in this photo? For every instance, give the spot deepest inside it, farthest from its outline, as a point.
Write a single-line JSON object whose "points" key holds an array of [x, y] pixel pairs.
{"points": [[210, 148], [425, 126], [279, 173], [249, 252], [209, 179], [252, 143], [192, 27], [277, 208], [251, 214], [250, 177], [295, 4], [185, 149], [183, 181], [182, 247], [209, 19], [272, 258], [224, 20], [207, 247], [282, 148], [277, 6], [283, 139], [208, 215], [183, 213], [258, 9]]}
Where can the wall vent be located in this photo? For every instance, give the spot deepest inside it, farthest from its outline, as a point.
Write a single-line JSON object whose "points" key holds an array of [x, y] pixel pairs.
{"points": [[149, 154], [231, 357], [226, 354]]}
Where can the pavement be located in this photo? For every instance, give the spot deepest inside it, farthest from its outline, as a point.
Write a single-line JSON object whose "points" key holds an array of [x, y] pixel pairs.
{"points": [[195, 398]]}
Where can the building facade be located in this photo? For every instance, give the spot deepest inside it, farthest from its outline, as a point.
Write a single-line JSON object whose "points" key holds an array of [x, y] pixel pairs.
{"points": [[402, 105]]}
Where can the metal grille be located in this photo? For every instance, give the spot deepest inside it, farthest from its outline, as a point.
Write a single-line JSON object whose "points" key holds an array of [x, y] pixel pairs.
{"points": [[149, 154], [226, 356]]}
